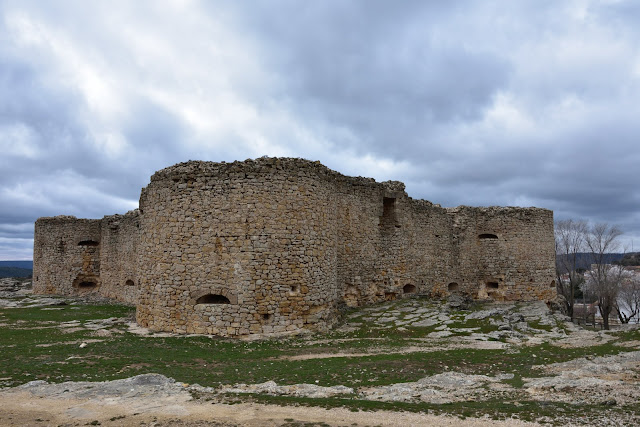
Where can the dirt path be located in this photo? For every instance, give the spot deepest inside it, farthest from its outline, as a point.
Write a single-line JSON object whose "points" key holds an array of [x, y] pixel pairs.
{"points": [[24, 409]]}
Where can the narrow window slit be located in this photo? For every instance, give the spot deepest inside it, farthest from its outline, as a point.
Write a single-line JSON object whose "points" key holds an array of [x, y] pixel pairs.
{"points": [[487, 236]]}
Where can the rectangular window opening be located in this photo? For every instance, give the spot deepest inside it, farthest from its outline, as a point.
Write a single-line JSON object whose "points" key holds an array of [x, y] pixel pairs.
{"points": [[388, 218]]}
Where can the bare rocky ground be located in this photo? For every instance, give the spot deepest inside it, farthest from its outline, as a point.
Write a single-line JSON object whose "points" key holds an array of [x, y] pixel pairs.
{"points": [[153, 399]]}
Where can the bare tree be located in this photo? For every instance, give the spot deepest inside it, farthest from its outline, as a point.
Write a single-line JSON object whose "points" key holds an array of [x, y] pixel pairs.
{"points": [[628, 302], [570, 239], [603, 279]]}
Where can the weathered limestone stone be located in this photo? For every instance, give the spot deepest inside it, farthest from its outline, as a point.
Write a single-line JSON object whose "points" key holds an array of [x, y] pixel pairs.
{"points": [[278, 245]]}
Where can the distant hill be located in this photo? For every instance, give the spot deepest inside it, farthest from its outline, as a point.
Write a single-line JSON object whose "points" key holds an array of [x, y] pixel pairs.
{"points": [[20, 264], [584, 260], [632, 258], [16, 268], [15, 272]]}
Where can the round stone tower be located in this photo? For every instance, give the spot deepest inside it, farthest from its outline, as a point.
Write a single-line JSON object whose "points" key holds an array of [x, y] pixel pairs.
{"points": [[238, 248]]}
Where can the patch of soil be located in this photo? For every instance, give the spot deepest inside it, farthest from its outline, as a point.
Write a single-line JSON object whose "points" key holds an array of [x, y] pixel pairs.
{"points": [[22, 409]]}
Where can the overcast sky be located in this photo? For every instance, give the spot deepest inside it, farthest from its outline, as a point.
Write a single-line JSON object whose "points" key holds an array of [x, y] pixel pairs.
{"points": [[520, 103]]}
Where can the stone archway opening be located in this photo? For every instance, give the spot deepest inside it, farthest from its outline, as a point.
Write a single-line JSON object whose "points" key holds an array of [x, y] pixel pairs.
{"points": [[86, 283], [409, 289], [213, 299], [129, 283], [453, 286]]}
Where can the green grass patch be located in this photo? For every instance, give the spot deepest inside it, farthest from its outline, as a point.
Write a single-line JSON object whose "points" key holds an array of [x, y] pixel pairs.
{"points": [[630, 335], [540, 326], [474, 325], [35, 346]]}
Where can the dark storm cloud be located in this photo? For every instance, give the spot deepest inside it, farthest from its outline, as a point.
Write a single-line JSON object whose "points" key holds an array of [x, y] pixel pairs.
{"points": [[382, 72], [468, 102]]}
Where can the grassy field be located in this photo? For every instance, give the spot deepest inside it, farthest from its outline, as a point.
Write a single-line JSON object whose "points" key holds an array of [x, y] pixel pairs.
{"points": [[46, 343]]}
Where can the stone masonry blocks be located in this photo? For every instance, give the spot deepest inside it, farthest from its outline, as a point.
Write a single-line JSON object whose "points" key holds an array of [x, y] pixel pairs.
{"points": [[278, 245]]}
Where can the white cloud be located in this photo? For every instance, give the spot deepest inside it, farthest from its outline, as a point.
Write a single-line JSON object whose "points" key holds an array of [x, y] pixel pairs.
{"points": [[16, 139]]}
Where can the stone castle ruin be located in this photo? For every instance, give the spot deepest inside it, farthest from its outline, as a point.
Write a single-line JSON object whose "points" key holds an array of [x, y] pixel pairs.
{"points": [[277, 245]]}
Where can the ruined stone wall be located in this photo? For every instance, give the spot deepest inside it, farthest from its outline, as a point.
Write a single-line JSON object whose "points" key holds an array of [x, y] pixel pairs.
{"points": [[377, 234], [514, 250], [432, 256], [66, 257], [278, 245], [392, 246], [358, 211], [239, 248], [120, 235], [498, 253]]}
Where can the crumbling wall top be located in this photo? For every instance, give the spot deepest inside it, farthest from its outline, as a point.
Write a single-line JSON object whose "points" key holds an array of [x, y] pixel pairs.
{"points": [[131, 214], [267, 165], [496, 210], [64, 218]]}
